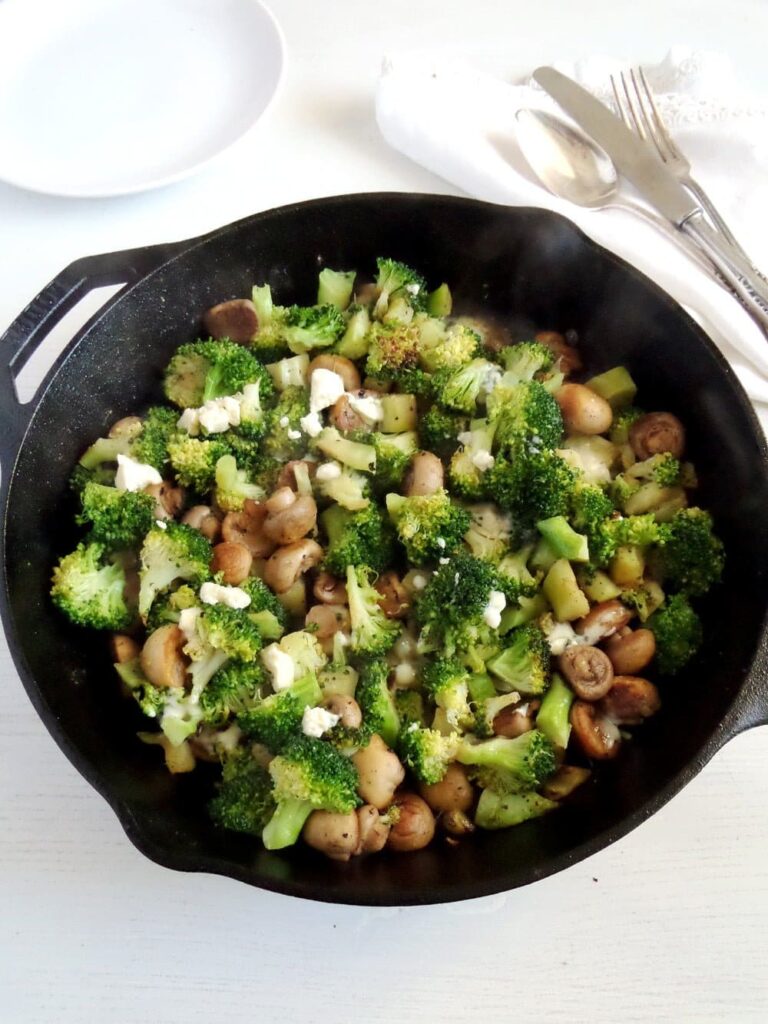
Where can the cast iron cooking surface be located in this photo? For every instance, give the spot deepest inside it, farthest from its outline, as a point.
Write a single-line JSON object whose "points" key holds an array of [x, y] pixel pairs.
{"points": [[530, 266]]}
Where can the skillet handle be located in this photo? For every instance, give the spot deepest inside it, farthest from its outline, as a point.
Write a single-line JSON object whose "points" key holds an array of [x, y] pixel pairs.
{"points": [[752, 707], [44, 312]]}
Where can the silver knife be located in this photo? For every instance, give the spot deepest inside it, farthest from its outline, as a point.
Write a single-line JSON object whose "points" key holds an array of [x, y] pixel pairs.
{"points": [[639, 164]]}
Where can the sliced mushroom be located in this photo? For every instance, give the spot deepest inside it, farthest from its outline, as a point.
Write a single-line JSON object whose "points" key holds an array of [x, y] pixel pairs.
{"points": [[452, 793], [515, 719], [656, 433], [344, 367], [347, 708], [343, 416], [169, 500], [328, 590], [394, 601], [162, 660], [566, 779], [200, 517], [328, 619], [568, 358], [287, 475], [602, 620], [288, 563], [456, 823], [123, 648], [631, 650], [289, 516], [128, 427], [597, 735], [588, 670], [631, 700], [236, 320], [233, 561], [415, 827], [374, 832], [247, 528], [425, 475], [584, 411], [336, 835], [379, 772]]}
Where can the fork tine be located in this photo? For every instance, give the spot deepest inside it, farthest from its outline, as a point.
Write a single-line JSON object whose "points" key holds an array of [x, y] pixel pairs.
{"points": [[638, 122], [648, 118], [661, 129]]}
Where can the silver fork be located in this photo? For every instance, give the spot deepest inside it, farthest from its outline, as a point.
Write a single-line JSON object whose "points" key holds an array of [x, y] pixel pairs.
{"points": [[639, 112]]}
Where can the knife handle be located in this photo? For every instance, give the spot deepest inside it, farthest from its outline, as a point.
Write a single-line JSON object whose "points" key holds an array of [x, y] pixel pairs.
{"points": [[750, 288]]}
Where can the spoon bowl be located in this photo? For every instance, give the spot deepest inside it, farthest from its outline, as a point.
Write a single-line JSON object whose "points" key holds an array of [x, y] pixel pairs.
{"points": [[567, 162]]}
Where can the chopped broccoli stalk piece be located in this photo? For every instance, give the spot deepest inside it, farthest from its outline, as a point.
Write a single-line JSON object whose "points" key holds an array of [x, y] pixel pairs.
{"points": [[91, 591], [356, 338], [244, 802], [372, 632], [334, 287], [105, 449], [354, 454], [495, 810], [561, 589], [510, 765], [481, 687], [678, 633], [233, 488], [615, 386], [563, 539], [429, 526], [268, 344], [553, 718], [290, 373], [427, 752], [117, 518], [440, 301], [523, 665]]}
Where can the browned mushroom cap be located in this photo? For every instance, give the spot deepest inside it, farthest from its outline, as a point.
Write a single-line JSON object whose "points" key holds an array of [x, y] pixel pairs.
{"points": [[233, 561], [291, 519], [334, 834], [287, 564], [287, 475], [588, 670], [630, 700], [247, 528], [343, 416], [515, 719], [568, 358], [373, 831], [161, 658], [603, 619], [123, 648], [424, 476], [340, 365], [415, 827], [168, 499], [584, 411], [394, 601], [597, 735], [452, 793], [236, 320], [328, 619], [655, 433], [328, 590], [631, 650]]}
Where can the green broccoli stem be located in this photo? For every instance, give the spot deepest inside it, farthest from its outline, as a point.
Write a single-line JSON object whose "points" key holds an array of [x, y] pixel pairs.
{"points": [[553, 717], [285, 825], [497, 811]]}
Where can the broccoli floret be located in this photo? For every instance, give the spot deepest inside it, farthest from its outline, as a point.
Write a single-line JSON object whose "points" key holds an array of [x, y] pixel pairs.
{"points": [[233, 689], [468, 466], [310, 327], [409, 705], [395, 279], [277, 718], [117, 518], [265, 610], [411, 380], [233, 488], [307, 775], [524, 360], [268, 344], [167, 607], [151, 444], [376, 703], [489, 707], [284, 440], [515, 579], [490, 532], [194, 460], [450, 608], [429, 526], [253, 419], [447, 349], [532, 485], [427, 752], [590, 507], [692, 557], [230, 630], [678, 633], [664, 469], [622, 421], [526, 416], [439, 431], [391, 348], [356, 538], [151, 699], [372, 632], [446, 680], [80, 476], [91, 591], [244, 802], [203, 370], [463, 389], [510, 765], [523, 665], [175, 552]]}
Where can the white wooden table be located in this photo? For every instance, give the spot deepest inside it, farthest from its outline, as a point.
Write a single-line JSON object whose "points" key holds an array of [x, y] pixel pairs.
{"points": [[667, 925]]}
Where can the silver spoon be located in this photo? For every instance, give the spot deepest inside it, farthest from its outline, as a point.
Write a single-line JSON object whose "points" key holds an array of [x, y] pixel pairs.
{"points": [[571, 166]]}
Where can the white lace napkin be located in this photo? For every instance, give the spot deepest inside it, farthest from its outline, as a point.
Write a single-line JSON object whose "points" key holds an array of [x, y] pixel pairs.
{"points": [[460, 123]]}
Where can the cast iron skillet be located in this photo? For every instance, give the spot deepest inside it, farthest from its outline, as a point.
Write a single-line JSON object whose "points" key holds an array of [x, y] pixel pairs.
{"points": [[530, 265]]}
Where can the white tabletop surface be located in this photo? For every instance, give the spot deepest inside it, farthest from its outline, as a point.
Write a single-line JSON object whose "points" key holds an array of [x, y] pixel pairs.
{"points": [[667, 925]]}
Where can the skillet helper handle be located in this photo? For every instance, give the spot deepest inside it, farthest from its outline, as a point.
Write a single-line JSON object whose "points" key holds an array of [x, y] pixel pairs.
{"points": [[32, 326], [749, 286]]}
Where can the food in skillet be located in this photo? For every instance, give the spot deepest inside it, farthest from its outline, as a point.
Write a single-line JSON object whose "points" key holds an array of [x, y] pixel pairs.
{"points": [[391, 571]]}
